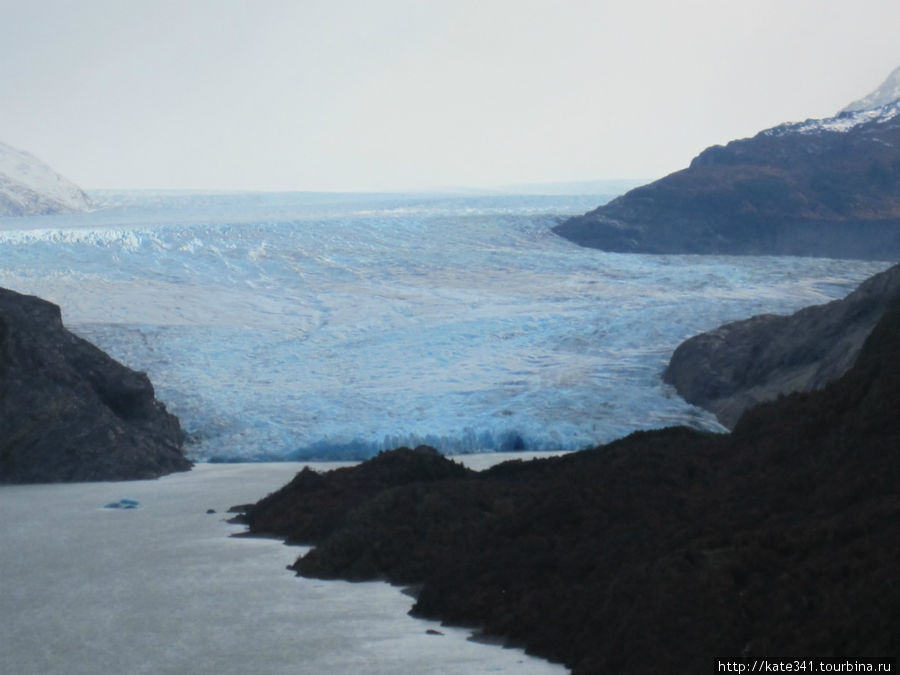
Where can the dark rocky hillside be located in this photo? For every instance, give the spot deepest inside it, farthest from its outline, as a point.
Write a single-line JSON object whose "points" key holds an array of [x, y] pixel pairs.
{"points": [[287, 513], [657, 553], [69, 412], [740, 364], [827, 188]]}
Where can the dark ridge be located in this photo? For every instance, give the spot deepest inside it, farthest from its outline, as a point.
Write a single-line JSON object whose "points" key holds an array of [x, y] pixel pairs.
{"points": [[787, 191]]}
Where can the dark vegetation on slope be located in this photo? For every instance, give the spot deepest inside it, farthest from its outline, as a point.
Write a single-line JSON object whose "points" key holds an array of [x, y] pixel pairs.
{"points": [[69, 412], [785, 191], [653, 554]]}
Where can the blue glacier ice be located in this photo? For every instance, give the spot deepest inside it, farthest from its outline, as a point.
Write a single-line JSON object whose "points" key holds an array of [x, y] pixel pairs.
{"points": [[331, 326]]}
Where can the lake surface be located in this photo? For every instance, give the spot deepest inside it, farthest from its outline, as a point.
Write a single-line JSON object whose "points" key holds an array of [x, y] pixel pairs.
{"points": [[164, 588]]}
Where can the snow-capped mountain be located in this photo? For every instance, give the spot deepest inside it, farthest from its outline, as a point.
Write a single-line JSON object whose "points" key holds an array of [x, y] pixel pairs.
{"points": [[827, 187], [880, 106], [30, 187], [888, 92], [843, 122]]}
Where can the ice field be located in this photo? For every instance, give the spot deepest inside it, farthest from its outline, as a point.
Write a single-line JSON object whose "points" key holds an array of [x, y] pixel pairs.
{"points": [[331, 326]]}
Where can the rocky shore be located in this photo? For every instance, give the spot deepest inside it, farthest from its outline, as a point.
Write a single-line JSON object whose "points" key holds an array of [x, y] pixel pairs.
{"points": [[69, 412], [656, 553]]}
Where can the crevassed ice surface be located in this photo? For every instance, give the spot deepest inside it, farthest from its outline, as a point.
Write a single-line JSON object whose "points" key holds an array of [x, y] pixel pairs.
{"points": [[302, 326]]}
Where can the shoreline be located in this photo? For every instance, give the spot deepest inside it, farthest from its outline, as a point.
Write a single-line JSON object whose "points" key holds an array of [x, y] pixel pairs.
{"points": [[165, 584]]}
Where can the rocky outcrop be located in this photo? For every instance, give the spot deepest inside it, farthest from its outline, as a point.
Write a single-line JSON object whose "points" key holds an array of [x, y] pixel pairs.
{"points": [[69, 412], [312, 504], [28, 187], [827, 188], [659, 552], [740, 364]]}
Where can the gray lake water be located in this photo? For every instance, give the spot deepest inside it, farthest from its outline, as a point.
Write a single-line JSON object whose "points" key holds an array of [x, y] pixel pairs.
{"points": [[164, 588]]}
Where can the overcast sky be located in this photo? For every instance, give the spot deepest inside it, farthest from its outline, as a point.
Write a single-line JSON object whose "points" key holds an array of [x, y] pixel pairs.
{"points": [[399, 94]]}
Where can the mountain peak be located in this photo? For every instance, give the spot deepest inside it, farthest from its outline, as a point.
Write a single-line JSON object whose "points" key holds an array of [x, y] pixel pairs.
{"points": [[29, 187], [888, 92]]}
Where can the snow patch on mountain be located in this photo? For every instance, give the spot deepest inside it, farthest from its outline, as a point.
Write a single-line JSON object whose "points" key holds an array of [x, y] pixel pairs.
{"points": [[880, 106], [842, 123], [29, 187]]}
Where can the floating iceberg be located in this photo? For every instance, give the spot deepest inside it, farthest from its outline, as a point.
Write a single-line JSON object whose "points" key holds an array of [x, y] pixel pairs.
{"points": [[123, 503]]}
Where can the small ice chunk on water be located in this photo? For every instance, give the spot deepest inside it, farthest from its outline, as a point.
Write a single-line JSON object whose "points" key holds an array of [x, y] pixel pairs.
{"points": [[123, 503]]}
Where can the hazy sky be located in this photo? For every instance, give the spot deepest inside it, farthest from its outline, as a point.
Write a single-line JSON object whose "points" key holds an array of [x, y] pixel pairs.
{"points": [[393, 94]]}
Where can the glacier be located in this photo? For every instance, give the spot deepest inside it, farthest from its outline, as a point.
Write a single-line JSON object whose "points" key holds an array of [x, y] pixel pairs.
{"points": [[296, 326]]}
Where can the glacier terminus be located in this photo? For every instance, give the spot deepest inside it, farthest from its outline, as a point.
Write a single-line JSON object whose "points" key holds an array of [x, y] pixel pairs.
{"points": [[332, 326]]}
